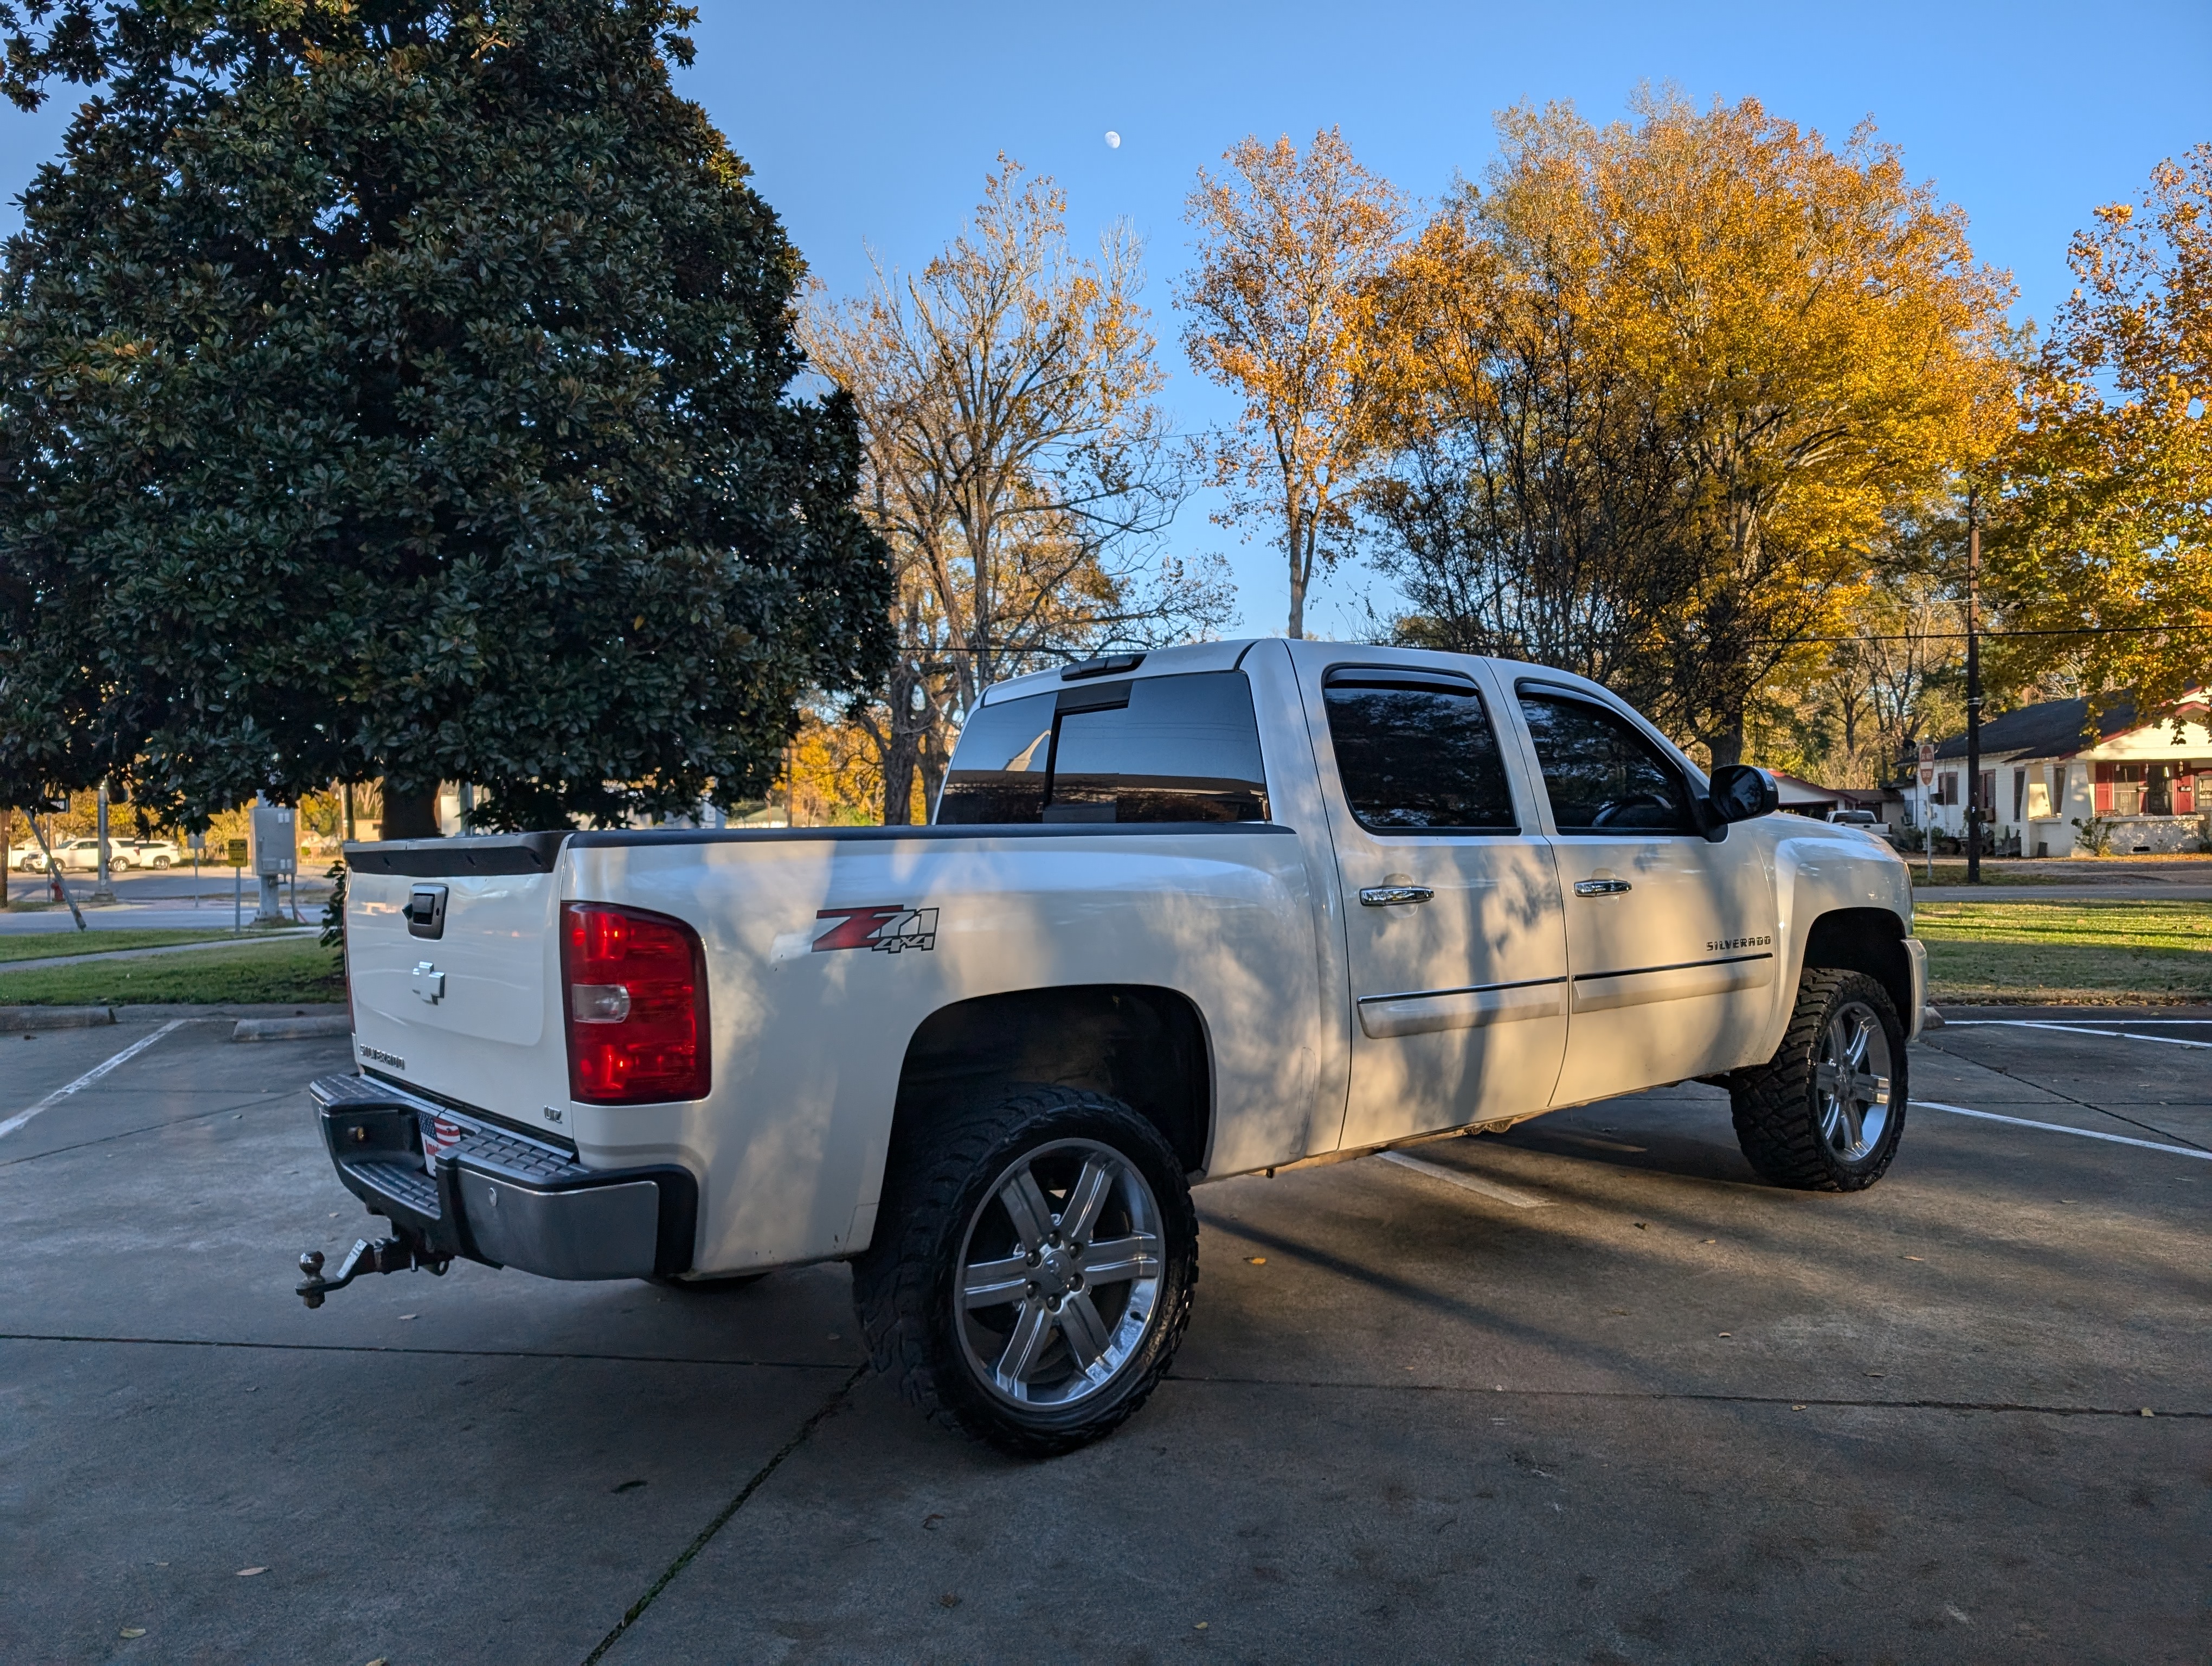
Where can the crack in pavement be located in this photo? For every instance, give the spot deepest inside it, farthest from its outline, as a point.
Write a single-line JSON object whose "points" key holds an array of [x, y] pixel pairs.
{"points": [[458, 1354], [722, 1518], [260, 1101], [1794, 1401], [1992, 1070]]}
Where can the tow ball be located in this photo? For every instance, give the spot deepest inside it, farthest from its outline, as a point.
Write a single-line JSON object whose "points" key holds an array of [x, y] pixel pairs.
{"points": [[385, 1255]]}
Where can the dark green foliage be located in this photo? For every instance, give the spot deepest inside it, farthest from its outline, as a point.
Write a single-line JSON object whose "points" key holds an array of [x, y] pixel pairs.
{"points": [[400, 388]]}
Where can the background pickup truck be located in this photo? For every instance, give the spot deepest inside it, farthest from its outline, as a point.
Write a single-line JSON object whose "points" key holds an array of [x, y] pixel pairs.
{"points": [[1198, 913]]}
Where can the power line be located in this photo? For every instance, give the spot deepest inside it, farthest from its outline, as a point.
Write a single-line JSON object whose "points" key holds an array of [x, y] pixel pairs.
{"points": [[1960, 636]]}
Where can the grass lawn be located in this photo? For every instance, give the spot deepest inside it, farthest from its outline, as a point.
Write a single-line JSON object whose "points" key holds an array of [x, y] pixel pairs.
{"points": [[290, 969], [1951, 872], [2115, 953], [47, 945]]}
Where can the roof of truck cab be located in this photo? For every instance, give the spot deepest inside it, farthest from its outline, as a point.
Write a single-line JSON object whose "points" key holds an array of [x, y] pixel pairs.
{"points": [[1189, 656], [1156, 662]]}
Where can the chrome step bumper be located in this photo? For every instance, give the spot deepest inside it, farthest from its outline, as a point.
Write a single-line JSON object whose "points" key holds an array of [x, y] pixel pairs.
{"points": [[500, 1197]]}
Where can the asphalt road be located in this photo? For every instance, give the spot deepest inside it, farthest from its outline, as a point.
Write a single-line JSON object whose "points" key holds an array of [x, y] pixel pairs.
{"points": [[171, 901], [1669, 1415]]}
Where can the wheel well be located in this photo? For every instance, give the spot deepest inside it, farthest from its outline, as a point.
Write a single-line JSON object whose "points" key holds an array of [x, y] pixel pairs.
{"points": [[1869, 940], [1144, 1046]]}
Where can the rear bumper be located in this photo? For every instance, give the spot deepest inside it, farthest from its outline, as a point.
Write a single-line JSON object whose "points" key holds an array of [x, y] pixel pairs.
{"points": [[500, 1197]]}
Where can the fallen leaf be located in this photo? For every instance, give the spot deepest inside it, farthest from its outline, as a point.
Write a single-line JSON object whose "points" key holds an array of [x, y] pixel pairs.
{"points": [[1257, 1261], [134, 1631], [248, 1573], [1728, 1333], [1641, 1227], [1877, 1373], [1913, 1258], [1709, 1240], [1199, 1627], [948, 1601], [1796, 1408], [629, 1487], [929, 1522], [406, 1315], [2146, 1411]]}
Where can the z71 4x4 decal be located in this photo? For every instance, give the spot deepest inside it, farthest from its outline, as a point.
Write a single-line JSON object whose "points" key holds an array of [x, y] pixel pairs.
{"points": [[887, 927]]}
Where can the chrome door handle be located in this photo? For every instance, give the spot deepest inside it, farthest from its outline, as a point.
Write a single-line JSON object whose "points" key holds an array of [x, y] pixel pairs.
{"points": [[1383, 897], [1600, 887]]}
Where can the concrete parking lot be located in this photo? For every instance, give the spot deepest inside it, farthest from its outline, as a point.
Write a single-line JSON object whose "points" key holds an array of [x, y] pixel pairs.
{"points": [[1611, 1402]]}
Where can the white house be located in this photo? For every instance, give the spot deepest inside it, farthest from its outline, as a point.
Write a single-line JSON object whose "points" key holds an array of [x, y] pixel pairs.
{"points": [[2149, 783]]}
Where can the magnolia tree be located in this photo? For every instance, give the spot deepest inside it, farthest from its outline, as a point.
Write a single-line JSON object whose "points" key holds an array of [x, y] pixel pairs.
{"points": [[403, 391]]}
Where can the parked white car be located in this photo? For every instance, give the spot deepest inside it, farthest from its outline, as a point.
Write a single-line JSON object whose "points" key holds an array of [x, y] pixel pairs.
{"points": [[150, 852], [80, 855], [1217, 910]]}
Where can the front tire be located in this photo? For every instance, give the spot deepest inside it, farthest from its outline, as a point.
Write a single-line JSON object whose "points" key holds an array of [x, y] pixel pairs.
{"points": [[1826, 1112], [1032, 1270], [160, 862]]}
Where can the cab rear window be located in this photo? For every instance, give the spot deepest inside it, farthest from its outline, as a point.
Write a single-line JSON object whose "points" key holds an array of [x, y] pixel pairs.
{"points": [[1154, 748]]}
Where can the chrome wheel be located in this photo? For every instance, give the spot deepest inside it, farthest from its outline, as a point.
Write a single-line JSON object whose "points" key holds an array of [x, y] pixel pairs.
{"points": [[1852, 1077], [1059, 1275]]}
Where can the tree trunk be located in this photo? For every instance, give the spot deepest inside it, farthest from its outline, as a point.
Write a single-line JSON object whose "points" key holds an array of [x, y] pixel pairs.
{"points": [[409, 815], [899, 761], [7, 838], [934, 762], [1726, 744]]}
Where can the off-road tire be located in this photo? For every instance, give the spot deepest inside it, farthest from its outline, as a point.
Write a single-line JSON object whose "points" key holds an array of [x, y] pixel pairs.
{"points": [[1777, 1105], [903, 1285]]}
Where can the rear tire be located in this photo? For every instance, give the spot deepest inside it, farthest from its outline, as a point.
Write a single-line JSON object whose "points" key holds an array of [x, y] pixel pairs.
{"points": [[1826, 1113], [1032, 1270]]}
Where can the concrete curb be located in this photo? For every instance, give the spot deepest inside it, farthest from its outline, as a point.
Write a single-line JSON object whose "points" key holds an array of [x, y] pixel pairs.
{"points": [[271, 1030], [15, 1020]]}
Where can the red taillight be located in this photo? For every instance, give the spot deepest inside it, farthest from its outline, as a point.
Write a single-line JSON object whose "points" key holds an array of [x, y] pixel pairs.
{"points": [[634, 992]]}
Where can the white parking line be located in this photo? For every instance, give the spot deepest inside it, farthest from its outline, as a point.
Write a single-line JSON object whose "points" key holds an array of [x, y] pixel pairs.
{"points": [[87, 1079], [2078, 1030], [1489, 1189], [2060, 1128]]}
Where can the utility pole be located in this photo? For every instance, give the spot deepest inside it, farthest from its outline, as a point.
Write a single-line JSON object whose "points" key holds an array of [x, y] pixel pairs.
{"points": [[103, 890], [1974, 693]]}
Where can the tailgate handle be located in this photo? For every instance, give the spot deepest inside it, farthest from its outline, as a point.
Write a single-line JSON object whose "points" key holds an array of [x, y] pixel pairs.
{"points": [[426, 911]]}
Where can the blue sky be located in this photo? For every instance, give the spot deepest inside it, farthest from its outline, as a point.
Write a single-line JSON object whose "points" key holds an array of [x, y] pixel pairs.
{"points": [[874, 124]]}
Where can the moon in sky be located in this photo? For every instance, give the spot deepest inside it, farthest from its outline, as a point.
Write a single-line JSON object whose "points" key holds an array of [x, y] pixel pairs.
{"points": [[1113, 140]]}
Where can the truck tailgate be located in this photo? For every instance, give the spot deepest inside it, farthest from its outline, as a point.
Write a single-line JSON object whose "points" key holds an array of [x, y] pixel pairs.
{"points": [[451, 956]]}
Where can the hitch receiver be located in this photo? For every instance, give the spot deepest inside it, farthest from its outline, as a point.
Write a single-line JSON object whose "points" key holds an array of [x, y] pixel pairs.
{"points": [[394, 1254]]}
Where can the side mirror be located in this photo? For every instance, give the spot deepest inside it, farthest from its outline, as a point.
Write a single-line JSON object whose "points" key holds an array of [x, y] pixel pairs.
{"points": [[1737, 793]]}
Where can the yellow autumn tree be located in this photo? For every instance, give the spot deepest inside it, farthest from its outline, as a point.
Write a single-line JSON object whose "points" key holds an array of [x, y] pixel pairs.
{"points": [[1779, 349], [2106, 530], [1274, 309]]}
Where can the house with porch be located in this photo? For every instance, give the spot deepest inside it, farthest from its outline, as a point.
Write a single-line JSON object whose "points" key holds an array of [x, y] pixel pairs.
{"points": [[2043, 778]]}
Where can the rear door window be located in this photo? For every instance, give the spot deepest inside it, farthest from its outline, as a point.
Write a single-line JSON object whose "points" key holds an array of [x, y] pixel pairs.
{"points": [[1001, 767], [1416, 751], [1154, 748], [1602, 774]]}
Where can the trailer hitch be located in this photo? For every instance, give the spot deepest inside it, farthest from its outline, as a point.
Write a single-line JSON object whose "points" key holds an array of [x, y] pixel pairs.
{"points": [[394, 1254]]}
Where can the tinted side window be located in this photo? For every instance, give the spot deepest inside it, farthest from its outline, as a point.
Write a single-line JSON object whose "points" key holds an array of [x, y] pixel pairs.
{"points": [[998, 769], [1162, 749], [1417, 755], [1183, 749], [1600, 772]]}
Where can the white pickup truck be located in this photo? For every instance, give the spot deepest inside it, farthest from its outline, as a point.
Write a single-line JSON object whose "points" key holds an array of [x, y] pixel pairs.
{"points": [[1215, 910]]}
